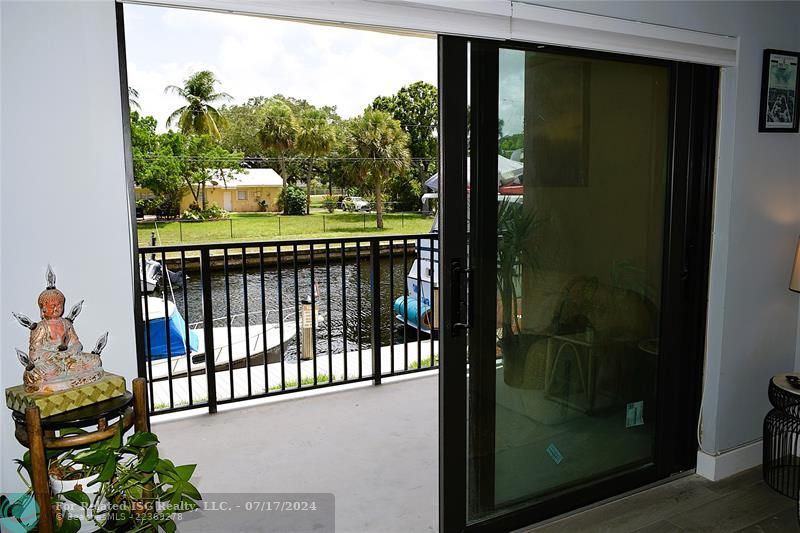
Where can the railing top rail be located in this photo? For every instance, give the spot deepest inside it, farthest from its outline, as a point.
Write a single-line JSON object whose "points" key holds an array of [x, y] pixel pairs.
{"points": [[283, 243]]}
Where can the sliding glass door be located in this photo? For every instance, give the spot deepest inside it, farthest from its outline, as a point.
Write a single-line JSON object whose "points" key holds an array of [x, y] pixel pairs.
{"points": [[570, 362]]}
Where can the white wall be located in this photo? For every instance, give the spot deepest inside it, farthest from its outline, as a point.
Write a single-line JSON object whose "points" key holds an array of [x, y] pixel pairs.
{"points": [[62, 179], [753, 318]]}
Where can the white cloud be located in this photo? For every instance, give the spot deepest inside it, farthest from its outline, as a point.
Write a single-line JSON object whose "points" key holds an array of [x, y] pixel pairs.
{"points": [[252, 56]]}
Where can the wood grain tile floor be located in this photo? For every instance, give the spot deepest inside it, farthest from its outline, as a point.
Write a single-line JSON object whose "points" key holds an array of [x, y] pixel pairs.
{"points": [[741, 503]]}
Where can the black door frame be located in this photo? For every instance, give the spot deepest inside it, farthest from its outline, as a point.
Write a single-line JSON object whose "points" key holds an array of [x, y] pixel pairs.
{"points": [[686, 256]]}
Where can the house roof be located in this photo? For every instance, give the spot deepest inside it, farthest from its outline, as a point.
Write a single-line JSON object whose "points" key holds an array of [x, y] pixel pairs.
{"points": [[252, 177]]}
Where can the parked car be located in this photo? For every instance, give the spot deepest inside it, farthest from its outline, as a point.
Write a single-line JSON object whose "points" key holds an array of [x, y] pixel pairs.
{"points": [[355, 203]]}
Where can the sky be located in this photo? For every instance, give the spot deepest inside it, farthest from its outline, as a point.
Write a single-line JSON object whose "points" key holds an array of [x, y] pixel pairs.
{"points": [[254, 56]]}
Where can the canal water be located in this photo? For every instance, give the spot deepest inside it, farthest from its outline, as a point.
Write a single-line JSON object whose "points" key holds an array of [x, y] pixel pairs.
{"points": [[340, 327]]}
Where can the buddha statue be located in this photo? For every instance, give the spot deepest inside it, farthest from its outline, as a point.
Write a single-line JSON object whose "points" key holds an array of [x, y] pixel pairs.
{"points": [[55, 360]]}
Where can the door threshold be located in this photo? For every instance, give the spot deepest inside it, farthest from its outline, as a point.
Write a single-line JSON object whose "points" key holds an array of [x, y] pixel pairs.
{"points": [[612, 499]]}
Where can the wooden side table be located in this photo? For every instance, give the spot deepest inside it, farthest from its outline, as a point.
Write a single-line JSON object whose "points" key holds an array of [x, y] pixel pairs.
{"points": [[781, 449], [40, 434]]}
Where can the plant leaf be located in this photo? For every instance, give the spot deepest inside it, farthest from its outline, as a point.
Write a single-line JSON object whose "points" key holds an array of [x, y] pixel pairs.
{"points": [[149, 460], [93, 457], [169, 526], [108, 471], [185, 471], [142, 440], [77, 496]]}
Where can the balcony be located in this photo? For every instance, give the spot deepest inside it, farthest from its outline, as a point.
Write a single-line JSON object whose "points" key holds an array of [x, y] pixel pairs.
{"points": [[374, 448]]}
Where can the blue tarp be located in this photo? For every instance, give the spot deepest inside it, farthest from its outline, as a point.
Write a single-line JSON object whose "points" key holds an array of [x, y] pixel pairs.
{"points": [[177, 336]]}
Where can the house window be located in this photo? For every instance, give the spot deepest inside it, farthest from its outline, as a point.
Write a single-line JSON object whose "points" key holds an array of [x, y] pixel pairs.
{"points": [[241, 195]]}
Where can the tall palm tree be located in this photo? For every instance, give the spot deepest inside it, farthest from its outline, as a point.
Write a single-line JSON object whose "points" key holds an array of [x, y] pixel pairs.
{"points": [[377, 150], [278, 133], [198, 115], [316, 137], [133, 103]]}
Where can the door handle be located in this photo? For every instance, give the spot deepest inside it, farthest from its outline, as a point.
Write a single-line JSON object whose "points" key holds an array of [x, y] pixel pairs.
{"points": [[456, 273]]}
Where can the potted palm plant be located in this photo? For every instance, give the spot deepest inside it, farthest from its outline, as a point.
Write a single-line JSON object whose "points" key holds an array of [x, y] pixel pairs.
{"points": [[514, 250]]}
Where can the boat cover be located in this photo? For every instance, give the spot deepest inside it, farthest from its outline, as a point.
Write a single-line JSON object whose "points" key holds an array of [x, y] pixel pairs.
{"points": [[412, 316], [177, 336]]}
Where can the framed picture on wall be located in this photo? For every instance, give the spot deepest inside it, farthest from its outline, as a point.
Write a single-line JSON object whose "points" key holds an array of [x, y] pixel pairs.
{"points": [[780, 84]]}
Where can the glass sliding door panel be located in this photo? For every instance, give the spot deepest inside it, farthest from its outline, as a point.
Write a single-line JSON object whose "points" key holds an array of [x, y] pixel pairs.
{"points": [[582, 166]]}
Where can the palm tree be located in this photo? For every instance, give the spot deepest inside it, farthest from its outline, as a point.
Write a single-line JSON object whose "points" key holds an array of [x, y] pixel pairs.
{"points": [[278, 133], [378, 149], [316, 137], [133, 103], [198, 115]]}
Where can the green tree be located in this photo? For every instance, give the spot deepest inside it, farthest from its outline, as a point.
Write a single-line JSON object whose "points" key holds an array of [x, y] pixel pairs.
{"points": [[278, 134], [241, 126], [202, 161], [316, 136], [415, 106], [198, 115], [155, 167], [377, 150]]}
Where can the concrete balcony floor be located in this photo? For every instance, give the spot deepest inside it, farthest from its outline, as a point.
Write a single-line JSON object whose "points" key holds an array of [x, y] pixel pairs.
{"points": [[374, 448]]}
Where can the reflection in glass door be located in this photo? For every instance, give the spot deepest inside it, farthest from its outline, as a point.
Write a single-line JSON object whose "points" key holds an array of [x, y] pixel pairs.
{"points": [[584, 269], [581, 188]]}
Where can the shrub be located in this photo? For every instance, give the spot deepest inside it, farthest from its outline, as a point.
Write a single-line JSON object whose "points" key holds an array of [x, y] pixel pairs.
{"points": [[329, 203], [294, 201], [212, 212]]}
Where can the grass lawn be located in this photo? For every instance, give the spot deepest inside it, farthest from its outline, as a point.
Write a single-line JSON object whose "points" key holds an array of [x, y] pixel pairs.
{"points": [[269, 226]]}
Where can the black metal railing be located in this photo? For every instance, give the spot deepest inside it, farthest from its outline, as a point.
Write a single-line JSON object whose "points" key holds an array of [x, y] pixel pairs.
{"points": [[236, 321]]}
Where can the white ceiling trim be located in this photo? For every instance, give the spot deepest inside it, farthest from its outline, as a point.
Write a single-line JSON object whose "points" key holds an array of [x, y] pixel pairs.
{"points": [[580, 30], [492, 19]]}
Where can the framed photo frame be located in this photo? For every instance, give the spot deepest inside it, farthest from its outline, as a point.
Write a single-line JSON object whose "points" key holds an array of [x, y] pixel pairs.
{"points": [[780, 84]]}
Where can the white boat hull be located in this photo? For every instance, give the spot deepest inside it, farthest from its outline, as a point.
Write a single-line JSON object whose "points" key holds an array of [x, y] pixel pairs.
{"points": [[226, 352]]}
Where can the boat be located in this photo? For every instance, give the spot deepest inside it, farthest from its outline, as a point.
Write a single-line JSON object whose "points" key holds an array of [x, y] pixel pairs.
{"points": [[417, 308], [166, 342], [152, 273]]}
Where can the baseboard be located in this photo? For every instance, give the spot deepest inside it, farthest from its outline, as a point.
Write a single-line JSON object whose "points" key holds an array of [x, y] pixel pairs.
{"points": [[716, 467]]}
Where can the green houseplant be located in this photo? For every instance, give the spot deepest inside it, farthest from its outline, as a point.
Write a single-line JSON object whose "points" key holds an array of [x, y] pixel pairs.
{"points": [[514, 250], [129, 486]]}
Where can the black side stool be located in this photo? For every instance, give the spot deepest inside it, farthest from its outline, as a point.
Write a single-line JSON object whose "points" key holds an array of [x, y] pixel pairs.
{"points": [[781, 464]]}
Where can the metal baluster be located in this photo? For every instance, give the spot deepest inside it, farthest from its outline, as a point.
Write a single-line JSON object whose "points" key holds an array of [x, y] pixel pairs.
{"points": [[358, 306], [246, 323], [405, 305], [164, 282], [328, 309], [344, 313], [313, 292], [188, 346], [280, 316], [419, 304], [208, 329], [264, 317], [298, 331], [375, 300], [391, 306], [228, 318]]}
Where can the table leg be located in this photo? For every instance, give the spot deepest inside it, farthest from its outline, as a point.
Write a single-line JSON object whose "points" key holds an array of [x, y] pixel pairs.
{"points": [[41, 485], [140, 417]]}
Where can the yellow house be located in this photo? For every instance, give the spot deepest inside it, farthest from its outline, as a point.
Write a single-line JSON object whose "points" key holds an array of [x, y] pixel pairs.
{"points": [[242, 192]]}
